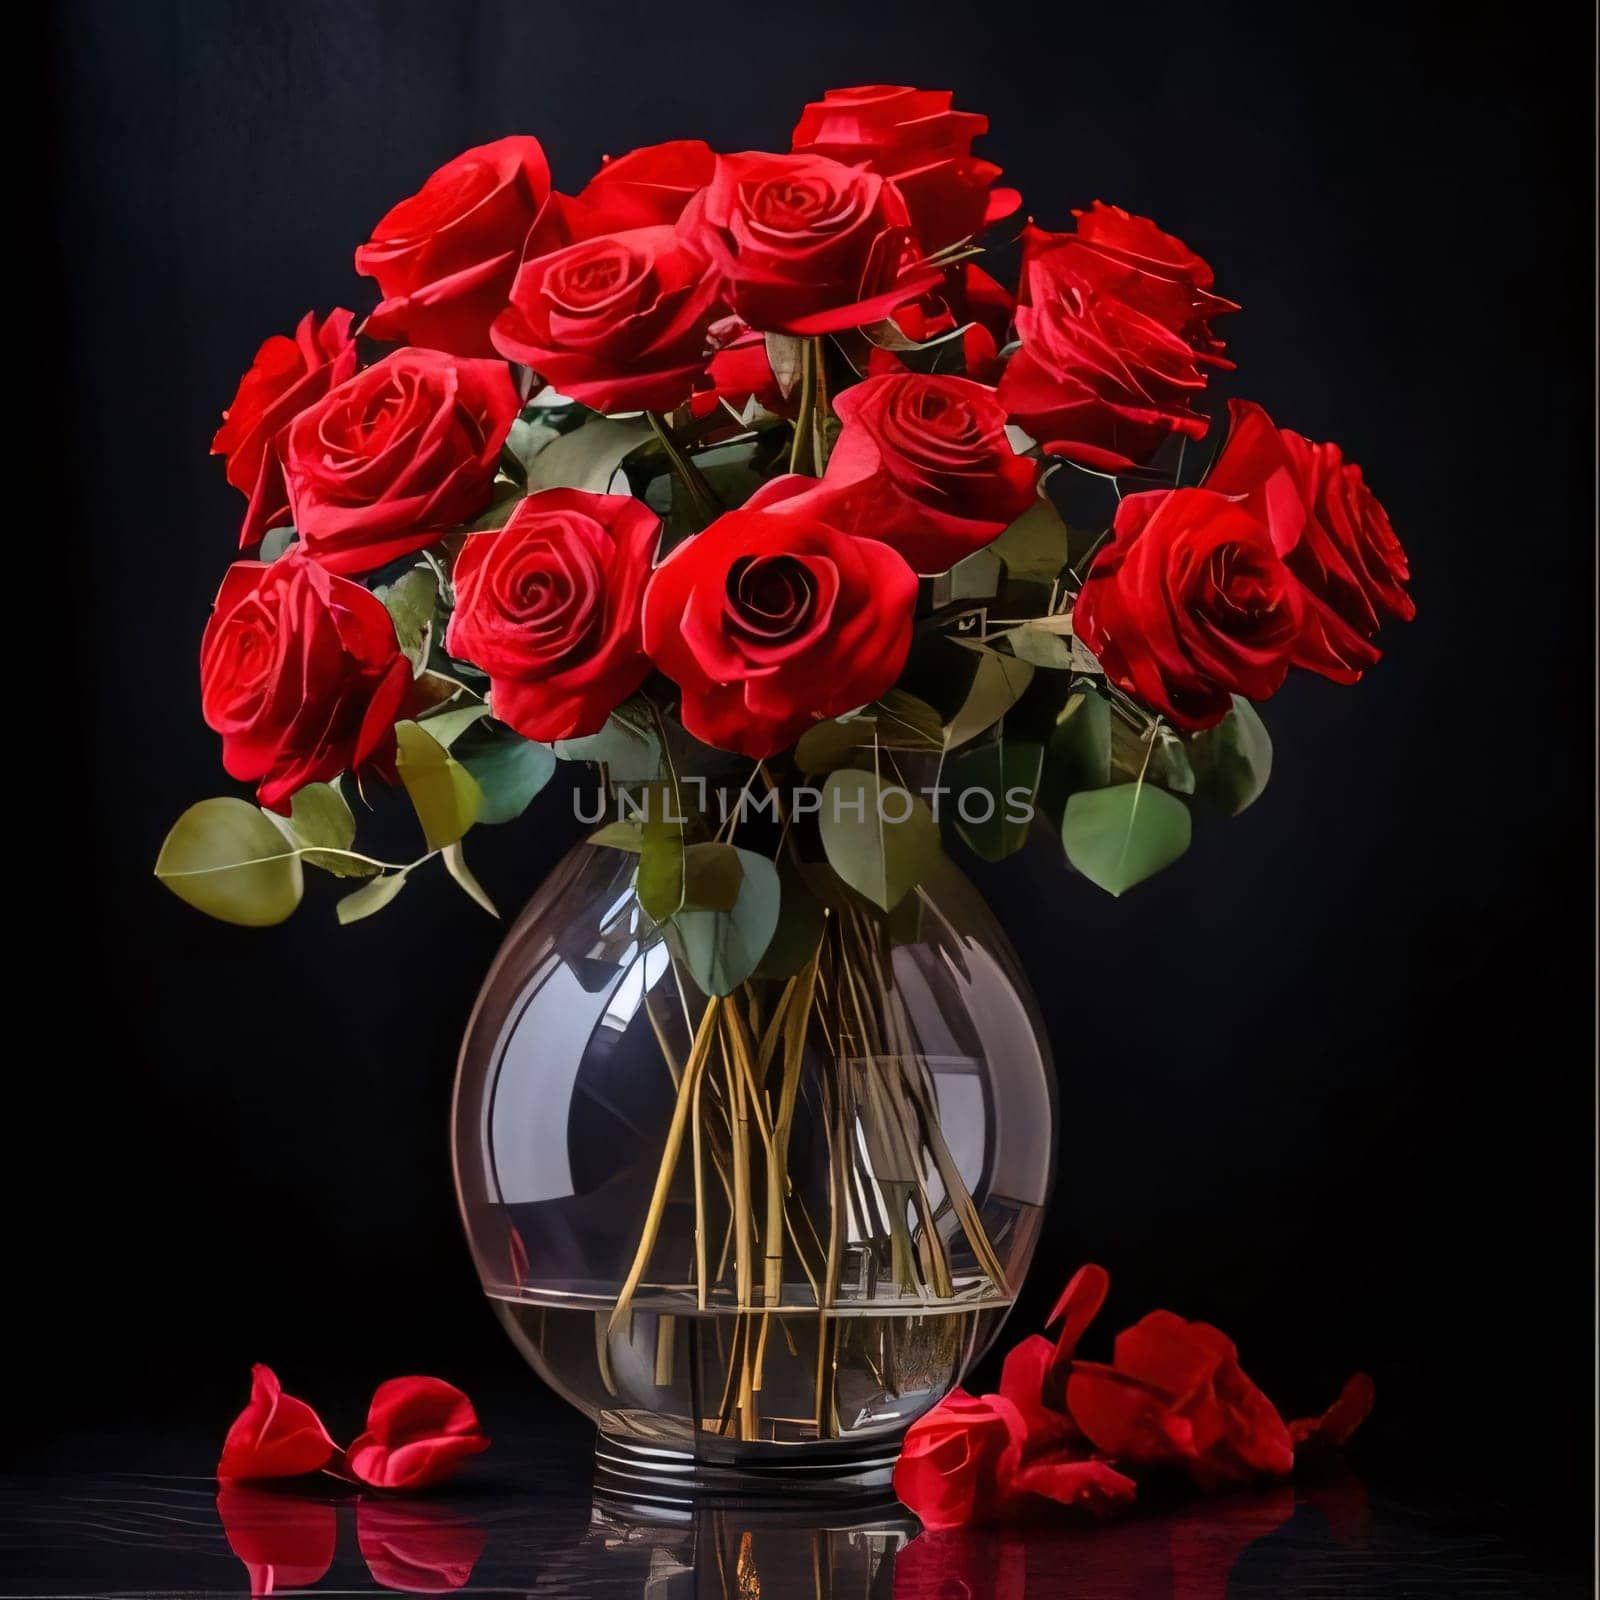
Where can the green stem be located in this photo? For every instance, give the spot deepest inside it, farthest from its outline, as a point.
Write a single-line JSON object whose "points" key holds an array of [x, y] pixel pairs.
{"points": [[707, 506]]}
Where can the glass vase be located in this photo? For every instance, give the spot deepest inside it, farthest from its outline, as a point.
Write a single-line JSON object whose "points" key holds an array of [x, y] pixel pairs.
{"points": [[752, 1236]]}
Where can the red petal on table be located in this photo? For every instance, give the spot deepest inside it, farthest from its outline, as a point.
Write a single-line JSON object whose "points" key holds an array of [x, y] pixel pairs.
{"points": [[1336, 1425], [1093, 1486], [1078, 1306], [275, 1436], [284, 1541], [419, 1430], [419, 1549]]}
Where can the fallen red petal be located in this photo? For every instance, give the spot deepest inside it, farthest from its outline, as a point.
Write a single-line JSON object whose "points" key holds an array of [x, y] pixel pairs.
{"points": [[419, 1431], [1339, 1422], [275, 1436]]}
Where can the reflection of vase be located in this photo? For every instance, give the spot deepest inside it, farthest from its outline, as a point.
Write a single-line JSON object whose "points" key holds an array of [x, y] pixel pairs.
{"points": [[761, 1234]]}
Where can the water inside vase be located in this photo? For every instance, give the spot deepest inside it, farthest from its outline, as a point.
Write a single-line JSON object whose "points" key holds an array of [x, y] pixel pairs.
{"points": [[681, 1377]]}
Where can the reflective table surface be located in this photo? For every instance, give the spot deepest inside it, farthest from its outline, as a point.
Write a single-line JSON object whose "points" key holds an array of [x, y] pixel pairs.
{"points": [[525, 1521]]}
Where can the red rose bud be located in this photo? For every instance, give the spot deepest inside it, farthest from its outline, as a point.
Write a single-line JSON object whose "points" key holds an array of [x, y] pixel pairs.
{"points": [[618, 322], [275, 1436], [806, 245], [949, 1468], [285, 377], [419, 1431], [1113, 323], [1330, 530], [772, 619], [944, 480], [549, 607], [444, 258], [1176, 1396], [302, 676], [1189, 605], [912, 136], [395, 456]]}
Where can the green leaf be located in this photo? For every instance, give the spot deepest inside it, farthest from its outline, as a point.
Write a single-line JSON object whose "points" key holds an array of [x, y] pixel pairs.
{"points": [[801, 919], [897, 721], [879, 838], [1078, 753], [321, 819], [997, 685], [1034, 547], [225, 858], [659, 882], [274, 542], [722, 948], [448, 726], [1232, 761], [711, 877], [1046, 643], [628, 748], [618, 836], [444, 795], [508, 769], [455, 863], [588, 457], [981, 782], [1120, 836], [529, 437], [1158, 756], [410, 601], [369, 897]]}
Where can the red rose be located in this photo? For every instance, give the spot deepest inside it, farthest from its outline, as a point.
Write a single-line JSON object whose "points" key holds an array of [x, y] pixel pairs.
{"points": [[806, 245], [944, 478], [912, 136], [285, 377], [1112, 349], [741, 371], [386, 462], [1329, 528], [618, 322], [1189, 604], [419, 1430], [772, 619], [548, 606], [445, 257], [1176, 1395], [301, 675], [275, 1436], [649, 186], [949, 1466]]}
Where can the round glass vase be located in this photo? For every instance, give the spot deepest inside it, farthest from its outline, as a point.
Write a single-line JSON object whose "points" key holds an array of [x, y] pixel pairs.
{"points": [[752, 1236]]}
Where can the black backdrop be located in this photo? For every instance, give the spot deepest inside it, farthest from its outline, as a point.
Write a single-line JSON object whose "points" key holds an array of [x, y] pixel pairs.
{"points": [[1327, 1082]]}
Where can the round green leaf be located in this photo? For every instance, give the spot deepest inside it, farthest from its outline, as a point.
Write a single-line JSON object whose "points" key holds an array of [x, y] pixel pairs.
{"points": [[370, 897], [509, 769], [981, 782], [879, 837], [722, 948], [444, 795], [225, 858], [1232, 761], [1120, 836]]}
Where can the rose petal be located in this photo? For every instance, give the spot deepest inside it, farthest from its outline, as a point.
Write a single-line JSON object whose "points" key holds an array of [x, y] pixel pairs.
{"points": [[1336, 1425], [419, 1430], [275, 1436]]}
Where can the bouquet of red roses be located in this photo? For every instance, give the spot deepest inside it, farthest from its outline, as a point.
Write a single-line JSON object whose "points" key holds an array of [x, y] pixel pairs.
{"points": [[744, 467]]}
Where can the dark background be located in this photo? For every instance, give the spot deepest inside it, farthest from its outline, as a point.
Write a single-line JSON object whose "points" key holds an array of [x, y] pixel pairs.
{"points": [[1328, 1082]]}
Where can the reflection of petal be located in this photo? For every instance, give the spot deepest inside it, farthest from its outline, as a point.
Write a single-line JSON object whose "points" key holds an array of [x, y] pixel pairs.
{"points": [[420, 1549], [1208, 1539], [1342, 1500], [961, 1564], [285, 1541]]}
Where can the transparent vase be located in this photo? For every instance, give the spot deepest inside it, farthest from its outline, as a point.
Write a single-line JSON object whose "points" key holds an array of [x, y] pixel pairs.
{"points": [[752, 1236]]}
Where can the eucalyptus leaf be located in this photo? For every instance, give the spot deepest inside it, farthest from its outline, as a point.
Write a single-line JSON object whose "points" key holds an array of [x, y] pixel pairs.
{"points": [[997, 685], [629, 750], [321, 819], [711, 877], [508, 769], [659, 882], [801, 919], [529, 437], [1042, 645], [274, 542], [370, 897], [444, 795], [225, 858], [1034, 547], [1232, 761], [878, 837], [786, 357], [588, 457], [627, 836], [448, 726], [410, 601], [722, 948], [455, 863], [1077, 755], [1119, 836], [982, 780]]}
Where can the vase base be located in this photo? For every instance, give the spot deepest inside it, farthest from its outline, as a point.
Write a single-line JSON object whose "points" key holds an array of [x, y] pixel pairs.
{"points": [[654, 1474]]}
